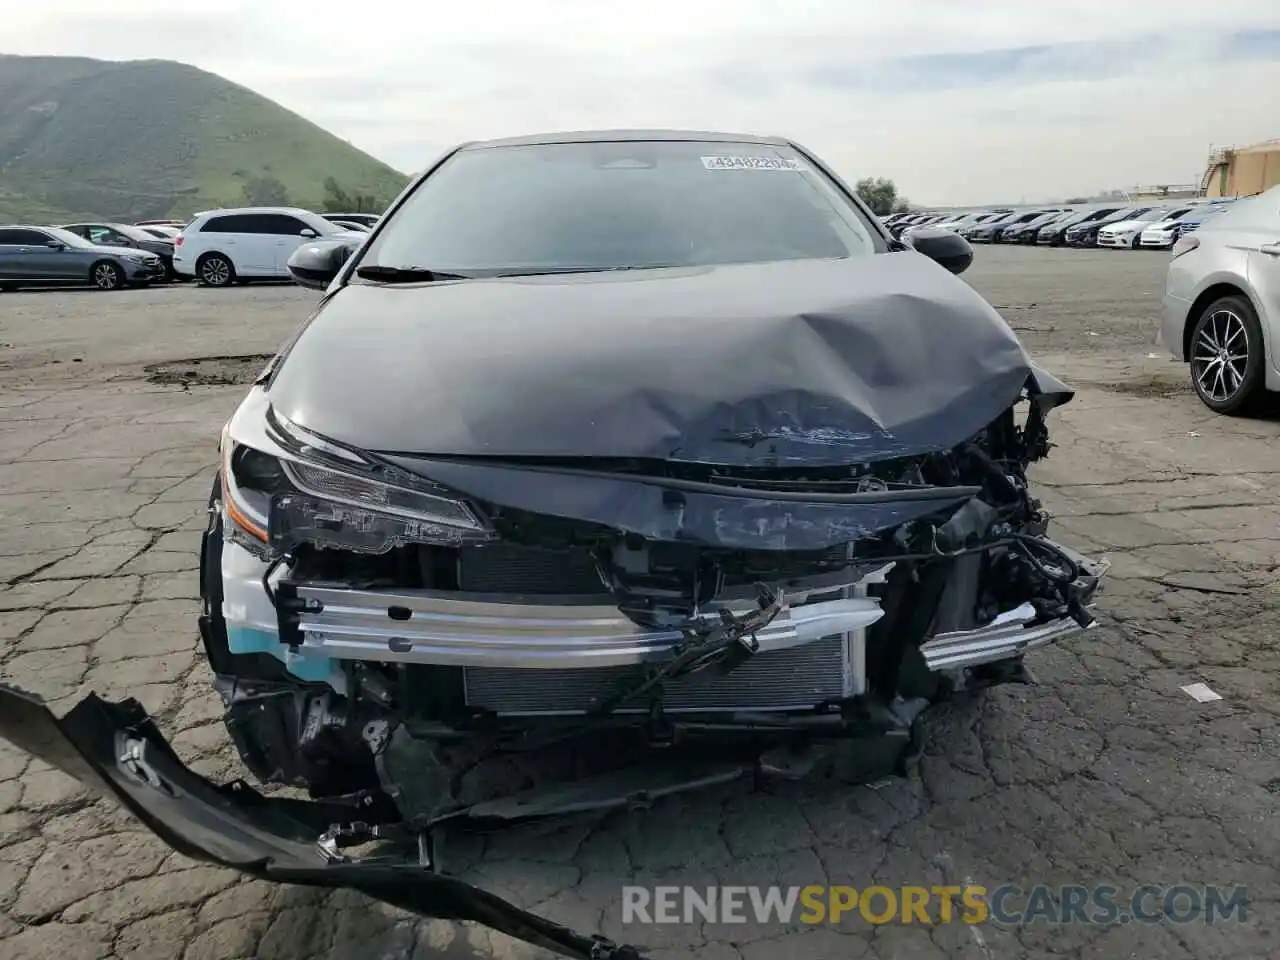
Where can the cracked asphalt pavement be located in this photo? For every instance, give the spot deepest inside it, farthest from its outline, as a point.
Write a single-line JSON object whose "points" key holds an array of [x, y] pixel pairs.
{"points": [[1104, 773]]}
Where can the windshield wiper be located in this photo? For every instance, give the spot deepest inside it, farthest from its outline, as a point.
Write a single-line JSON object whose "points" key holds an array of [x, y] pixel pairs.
{"points": [[555, 271], [406, 274]]}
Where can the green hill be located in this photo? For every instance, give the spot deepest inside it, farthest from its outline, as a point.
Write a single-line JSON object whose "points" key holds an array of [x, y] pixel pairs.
{"points": [[154, 138]]}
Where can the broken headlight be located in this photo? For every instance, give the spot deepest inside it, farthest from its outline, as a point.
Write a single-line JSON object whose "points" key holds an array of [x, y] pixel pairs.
{"points": [[367, 514], [276, 497]]}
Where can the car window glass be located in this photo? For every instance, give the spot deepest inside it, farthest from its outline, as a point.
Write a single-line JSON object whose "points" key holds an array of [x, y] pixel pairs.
{"points": [[229, 223], [280, 224], [23, 238], [257, 223], [621, 205]]}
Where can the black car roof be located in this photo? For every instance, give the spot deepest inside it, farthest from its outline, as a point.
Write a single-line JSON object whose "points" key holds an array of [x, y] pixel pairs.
{"points": [[623, 136]]}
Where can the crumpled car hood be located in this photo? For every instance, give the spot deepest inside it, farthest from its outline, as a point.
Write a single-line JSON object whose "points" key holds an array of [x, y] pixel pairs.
{"points": [[116, 750], [804, 362]]}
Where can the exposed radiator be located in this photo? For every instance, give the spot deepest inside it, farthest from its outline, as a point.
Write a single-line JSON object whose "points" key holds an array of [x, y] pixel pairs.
{"points": [[794, 679], [797, 678], [510, 568]]}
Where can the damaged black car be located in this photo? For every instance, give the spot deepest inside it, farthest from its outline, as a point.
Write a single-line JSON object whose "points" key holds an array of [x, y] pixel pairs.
{"points": [[609, 465]]}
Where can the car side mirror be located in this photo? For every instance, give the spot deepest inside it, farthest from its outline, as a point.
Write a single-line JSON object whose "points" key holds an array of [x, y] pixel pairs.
{"points": [[308, 233], [945, 248], [314, 265], [56, 245]]}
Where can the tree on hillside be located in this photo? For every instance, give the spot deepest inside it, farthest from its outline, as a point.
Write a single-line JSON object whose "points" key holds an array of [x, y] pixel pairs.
{"points": [[881, 195], [338, 200], [266, 192]]}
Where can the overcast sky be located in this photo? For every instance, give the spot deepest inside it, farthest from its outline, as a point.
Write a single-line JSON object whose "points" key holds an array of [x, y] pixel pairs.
{"points": [[959, 102]]}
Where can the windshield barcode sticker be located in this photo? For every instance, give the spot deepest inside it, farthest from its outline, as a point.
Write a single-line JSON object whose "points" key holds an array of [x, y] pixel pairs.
{"points": [[751, 163]]}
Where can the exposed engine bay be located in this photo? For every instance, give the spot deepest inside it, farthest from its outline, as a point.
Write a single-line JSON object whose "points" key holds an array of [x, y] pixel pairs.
{"points": [[454, 669]]}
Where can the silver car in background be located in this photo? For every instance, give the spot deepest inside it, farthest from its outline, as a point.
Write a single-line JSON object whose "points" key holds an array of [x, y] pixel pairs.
{"points": [[43, 256], [1222, 304]]}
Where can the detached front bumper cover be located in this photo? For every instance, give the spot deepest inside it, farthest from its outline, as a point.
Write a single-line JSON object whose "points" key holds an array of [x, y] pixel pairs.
{"points": [[115, 749]]}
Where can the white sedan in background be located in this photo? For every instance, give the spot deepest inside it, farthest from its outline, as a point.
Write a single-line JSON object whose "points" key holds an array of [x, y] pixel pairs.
{"points": [[1126, 233], [1165, 233]]}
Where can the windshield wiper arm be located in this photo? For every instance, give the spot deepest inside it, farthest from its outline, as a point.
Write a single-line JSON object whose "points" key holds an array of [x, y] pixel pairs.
{"points": [[385, 274]]}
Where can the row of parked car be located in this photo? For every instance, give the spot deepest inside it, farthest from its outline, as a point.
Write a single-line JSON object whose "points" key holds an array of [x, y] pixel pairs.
{"points": [[216, 248], [1125, 226]]}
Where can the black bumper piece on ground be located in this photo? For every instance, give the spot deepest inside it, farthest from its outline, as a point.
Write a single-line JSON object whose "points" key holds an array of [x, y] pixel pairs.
{"points": [[115, 749]]}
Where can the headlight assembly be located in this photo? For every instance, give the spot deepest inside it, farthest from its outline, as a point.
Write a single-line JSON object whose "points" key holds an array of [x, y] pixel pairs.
{"points": [[276, 500], [397, 499]]}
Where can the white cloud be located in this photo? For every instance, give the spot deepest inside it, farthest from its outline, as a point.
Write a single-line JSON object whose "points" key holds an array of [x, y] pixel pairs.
{"points": [[405, 80]]}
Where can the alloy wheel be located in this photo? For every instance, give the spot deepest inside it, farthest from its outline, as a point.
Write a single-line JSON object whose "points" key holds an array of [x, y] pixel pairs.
{"points": [[1220, 356], [106, 276], [216, 272]]}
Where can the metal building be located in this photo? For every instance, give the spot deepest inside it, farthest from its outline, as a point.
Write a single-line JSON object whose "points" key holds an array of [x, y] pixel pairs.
{"points": [[1242, 171]]}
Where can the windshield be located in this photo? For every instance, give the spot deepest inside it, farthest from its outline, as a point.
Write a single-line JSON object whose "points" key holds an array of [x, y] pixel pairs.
{"points": [[323, 227], [576, 207], [67, 237], [133, 233], [1074, 217], [1204, 213], [1044, 218], [1128, 213]]}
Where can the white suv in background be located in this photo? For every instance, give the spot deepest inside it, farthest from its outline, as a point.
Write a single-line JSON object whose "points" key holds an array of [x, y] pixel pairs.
{"points": [[220, 247]]}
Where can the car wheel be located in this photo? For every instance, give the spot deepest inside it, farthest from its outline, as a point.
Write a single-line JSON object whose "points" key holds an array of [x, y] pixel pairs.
{"points": [[215, 270], [8, 287], [1226, 356], [1133, 244], [106, 275]]}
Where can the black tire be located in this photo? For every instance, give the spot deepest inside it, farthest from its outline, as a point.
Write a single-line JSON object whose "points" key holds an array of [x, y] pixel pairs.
{"points": [[215, 270], [105, 275], [8, 287], [1225, 382]]}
